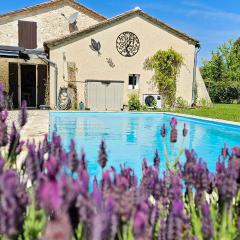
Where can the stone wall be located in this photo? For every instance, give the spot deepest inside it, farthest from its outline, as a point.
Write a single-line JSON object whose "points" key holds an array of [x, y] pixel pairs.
{"points": [[4, 72], [51, 24], [4, 68]]}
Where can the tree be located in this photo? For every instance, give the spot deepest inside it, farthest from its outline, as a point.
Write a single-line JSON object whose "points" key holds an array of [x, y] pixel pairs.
{"points": [[166, 66], [222, 72]]}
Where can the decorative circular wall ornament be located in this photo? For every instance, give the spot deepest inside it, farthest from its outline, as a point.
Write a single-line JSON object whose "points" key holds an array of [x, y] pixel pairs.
{"points": [[127, 44]]}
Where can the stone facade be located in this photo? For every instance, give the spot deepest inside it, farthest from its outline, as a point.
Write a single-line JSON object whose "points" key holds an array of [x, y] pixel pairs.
{"points": [[4, 68], [4, 72], [50, 24]]}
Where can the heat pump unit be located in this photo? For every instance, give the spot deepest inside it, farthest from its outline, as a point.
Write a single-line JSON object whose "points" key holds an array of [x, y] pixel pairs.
{"points": [[149, 100]]}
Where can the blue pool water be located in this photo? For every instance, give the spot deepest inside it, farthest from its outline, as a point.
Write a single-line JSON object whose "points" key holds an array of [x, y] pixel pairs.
{"points": [[130, 137]]}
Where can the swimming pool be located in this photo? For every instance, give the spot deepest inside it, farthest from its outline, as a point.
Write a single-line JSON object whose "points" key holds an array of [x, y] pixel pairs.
{"points": [[130, 137]]}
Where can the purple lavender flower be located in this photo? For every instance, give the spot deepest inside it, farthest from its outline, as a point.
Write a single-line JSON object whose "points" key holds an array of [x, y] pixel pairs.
{"points": [[207, 225], [102, 157], [173, 135], [48, 194], [173, 122], [58, 228], [139, 225], [154, 215], [83, 164], [96, 194], [140, 221], [13, 203], [3, 129], [2, 163], [52, 166], [72, 157], [84, 181], [2, 100], [175, 188], [201, 182], [144, 166], [149, 182], [14, 143], [45, 144], [228, 189], [67, 192], [163, 130], [164, 198], [130, 177], [175, 221], [23, 114], [156, 160], [236, 152], [32, 163], [185, 130], [225, 152], [189, 168]]}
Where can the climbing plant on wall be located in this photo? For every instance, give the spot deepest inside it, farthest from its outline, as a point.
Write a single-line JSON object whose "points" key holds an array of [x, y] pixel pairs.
{"points": [[166, 65]]}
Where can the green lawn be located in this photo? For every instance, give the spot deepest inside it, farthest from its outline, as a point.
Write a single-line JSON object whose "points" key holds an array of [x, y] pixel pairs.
{"points": [[229, 112]]}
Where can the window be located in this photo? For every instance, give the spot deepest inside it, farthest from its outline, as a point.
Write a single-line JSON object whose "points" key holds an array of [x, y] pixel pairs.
{"points": [[27, 34], [133, 81]]}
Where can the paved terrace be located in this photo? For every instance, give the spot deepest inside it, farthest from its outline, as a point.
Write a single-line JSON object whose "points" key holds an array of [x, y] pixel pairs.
{"points": [[37, 124]]}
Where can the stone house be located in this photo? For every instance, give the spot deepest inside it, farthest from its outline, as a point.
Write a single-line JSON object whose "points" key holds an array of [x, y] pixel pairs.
{"points": [[101, 60], [23, 62]]}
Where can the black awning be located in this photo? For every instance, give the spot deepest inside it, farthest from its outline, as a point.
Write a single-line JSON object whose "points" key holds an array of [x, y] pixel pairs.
{"points": [[13, 52]]}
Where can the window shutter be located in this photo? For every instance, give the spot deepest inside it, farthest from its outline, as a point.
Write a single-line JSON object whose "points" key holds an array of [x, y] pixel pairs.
{"points": [[27, 34]]}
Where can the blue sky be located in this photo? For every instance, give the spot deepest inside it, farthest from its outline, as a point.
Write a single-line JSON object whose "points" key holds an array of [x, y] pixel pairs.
{"points": [[210, 21]]}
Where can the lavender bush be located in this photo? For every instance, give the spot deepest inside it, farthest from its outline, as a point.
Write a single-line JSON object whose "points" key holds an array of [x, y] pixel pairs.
{"points": [[49, 197]]}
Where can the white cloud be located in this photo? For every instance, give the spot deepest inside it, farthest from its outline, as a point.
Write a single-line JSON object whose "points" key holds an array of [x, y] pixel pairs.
{"points": [[198, 9]]}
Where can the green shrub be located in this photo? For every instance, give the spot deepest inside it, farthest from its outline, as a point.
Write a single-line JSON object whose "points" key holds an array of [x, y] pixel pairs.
{"points": [[181, 103], [134, 103], [166, 65], [204, 103], [144, 108], [154, 104]]}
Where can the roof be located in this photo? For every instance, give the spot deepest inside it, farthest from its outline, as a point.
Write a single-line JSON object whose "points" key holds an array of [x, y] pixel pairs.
{"points": [[72, 3], [20, 52], [12, 52], [110, 21]]}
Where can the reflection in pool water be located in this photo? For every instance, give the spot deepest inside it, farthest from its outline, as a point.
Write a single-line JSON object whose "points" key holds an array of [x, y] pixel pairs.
{"points": [[130, 137]]}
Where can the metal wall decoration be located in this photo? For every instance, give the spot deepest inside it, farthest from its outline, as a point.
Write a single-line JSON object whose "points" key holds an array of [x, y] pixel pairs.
{"points": [[64, 100], [110, 62], [127, 44], [95, 46]]}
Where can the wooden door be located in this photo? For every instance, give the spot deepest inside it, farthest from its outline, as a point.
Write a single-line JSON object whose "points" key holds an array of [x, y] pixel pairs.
{"points": [[42, 84]]}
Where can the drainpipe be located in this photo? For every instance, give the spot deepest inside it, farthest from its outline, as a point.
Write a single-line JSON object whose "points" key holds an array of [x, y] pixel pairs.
{"points": [[194, 83]]}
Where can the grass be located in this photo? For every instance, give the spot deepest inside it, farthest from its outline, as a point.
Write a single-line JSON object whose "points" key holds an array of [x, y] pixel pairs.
{"points": [[229, 112]]}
